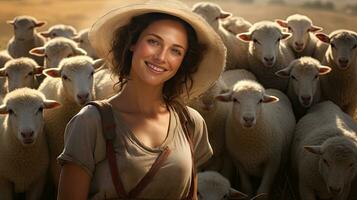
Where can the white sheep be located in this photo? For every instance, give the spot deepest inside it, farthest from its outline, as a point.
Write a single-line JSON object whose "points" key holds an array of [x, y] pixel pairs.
{"points": [[303, 41], [57, 49], [105, 83], [259, 128], [213, 13], [60, 30], [304, 83], [267, 54], [21, 72], [72, 85], [236, 25], [324, 153], [4, 57], [213, 186], [24, 155], [25, 37], [340, 86], [83, 42], [230, 77]]}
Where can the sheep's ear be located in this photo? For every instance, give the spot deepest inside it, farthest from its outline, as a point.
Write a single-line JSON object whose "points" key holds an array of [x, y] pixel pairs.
{"points": [[38, 70], [258, 196], [285, 35], [3, 72], [38, 51], [324, 70], [40, 23], [314, 28], [284, 73], [245, 37], [53, 72], [11, 22], [323, 37], [269, 99], [45, 34], [224, 15], [235, 194], [79, 51], [3, 109], [282, 23], [225, 97], [314, 149], [48, 104], [98, 63]]}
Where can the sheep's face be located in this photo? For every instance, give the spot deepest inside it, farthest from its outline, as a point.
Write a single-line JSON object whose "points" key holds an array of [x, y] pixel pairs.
{"points": [[26, 120], [21, 75], [343, 50], [78, 83], [211, 13], [265, 45], [61, 32], [24, 29], [300, 31], [83, 43]]}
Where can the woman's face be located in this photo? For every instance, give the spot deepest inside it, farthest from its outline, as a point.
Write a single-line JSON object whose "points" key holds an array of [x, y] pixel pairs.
{"points": [[159, 51]]}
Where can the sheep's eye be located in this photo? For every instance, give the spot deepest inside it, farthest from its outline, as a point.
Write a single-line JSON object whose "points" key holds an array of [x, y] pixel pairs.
{"points": [[316, 76], [70, 55], [10, 111], [65, 77], [30, 74], [260, 101], [325, 161], [40, 110], [81, 41], [54, 35], [46, 56], [92, 73], [31, 27], [293, 77], [278, 40], [351, 165], [256, 41], [290, 29], [333, 45], [235, 100], [354, 46]]}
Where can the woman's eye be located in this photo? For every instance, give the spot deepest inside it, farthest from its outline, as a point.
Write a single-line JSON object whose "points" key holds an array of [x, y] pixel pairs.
{"points": [[153, 42], [176, 52]]}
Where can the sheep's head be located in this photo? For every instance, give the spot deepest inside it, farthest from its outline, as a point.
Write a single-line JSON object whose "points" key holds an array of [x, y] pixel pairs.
{"points": [[343, 47], [24, 27], [304, 78], [300, 27], [247, 97], [57, 49], [264, 41], [213, 186], [211, 12], [337, 162], [236, 25], [76, 74], [207, 102], [60, 30], [24, 110], [20, 73]]}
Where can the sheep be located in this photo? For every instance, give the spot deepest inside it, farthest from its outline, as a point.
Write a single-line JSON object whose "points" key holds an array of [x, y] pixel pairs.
{"points": [[267, 54], [340, 86], [256, 138], [57, 49], [213, 186], [24, 153], [4, 57], [212, 13], [230, 77], [105, 83], [60, 30], [25, 37], [303, 41], [71, 84], [324, 153], [304, 83], [236, 25], [83, 42], [21, 72]]}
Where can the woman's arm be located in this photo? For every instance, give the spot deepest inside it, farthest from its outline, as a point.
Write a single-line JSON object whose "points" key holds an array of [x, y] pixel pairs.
{"points": [[74, 183]]}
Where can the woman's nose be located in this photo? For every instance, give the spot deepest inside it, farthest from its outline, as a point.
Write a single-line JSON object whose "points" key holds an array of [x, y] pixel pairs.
{"points": [[160, 55]]}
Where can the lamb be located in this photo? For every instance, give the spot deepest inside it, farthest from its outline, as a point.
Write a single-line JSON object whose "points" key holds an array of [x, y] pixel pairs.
{"points": [[60, 30], [83, 42], [25, 37], [71, 84], [213, 186], [236, 25], [324, 153], [230, 77], [303, 41], [21, 72], [212, 13], [340, 86], [256, 138], [24, 153], [267, 54], [57, 49], [304, 83]]}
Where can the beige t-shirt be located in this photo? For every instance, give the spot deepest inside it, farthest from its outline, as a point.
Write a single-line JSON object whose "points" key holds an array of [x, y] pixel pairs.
{"points": [[85, 146]]}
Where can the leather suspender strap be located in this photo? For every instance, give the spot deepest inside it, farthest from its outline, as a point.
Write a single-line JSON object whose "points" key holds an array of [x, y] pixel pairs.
{"points": [[108, 129]]}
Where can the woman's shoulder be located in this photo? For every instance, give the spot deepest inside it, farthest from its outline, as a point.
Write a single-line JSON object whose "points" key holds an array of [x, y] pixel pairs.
{"points": [[194, 114]]}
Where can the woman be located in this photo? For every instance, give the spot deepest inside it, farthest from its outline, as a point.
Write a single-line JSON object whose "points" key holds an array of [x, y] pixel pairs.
{"points": [[163, 54]]}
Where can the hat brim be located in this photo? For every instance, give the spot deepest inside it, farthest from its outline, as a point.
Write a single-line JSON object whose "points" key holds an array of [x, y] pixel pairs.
{"points": [[213, 62]]}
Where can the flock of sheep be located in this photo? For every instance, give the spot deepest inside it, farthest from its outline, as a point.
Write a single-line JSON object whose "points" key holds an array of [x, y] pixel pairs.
{"points": [[282, 107]]}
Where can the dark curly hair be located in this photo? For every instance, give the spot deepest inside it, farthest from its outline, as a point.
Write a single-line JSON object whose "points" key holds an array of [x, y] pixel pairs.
{"points": [[126, 36]]}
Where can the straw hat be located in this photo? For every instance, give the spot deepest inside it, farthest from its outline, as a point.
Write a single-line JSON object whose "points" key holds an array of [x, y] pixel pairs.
{"points": [[213, 62]]}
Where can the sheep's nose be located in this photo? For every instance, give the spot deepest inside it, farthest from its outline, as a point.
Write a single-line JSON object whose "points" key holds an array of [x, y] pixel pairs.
{"points": [[83, 97], [299, 44], [27, 134], [248, 119], [306, 99], [343, 61], [269, 59], [335, 190]]}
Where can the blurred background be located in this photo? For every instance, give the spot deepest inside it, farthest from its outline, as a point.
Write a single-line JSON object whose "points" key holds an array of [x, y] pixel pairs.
{"points": [[330, 15]]}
